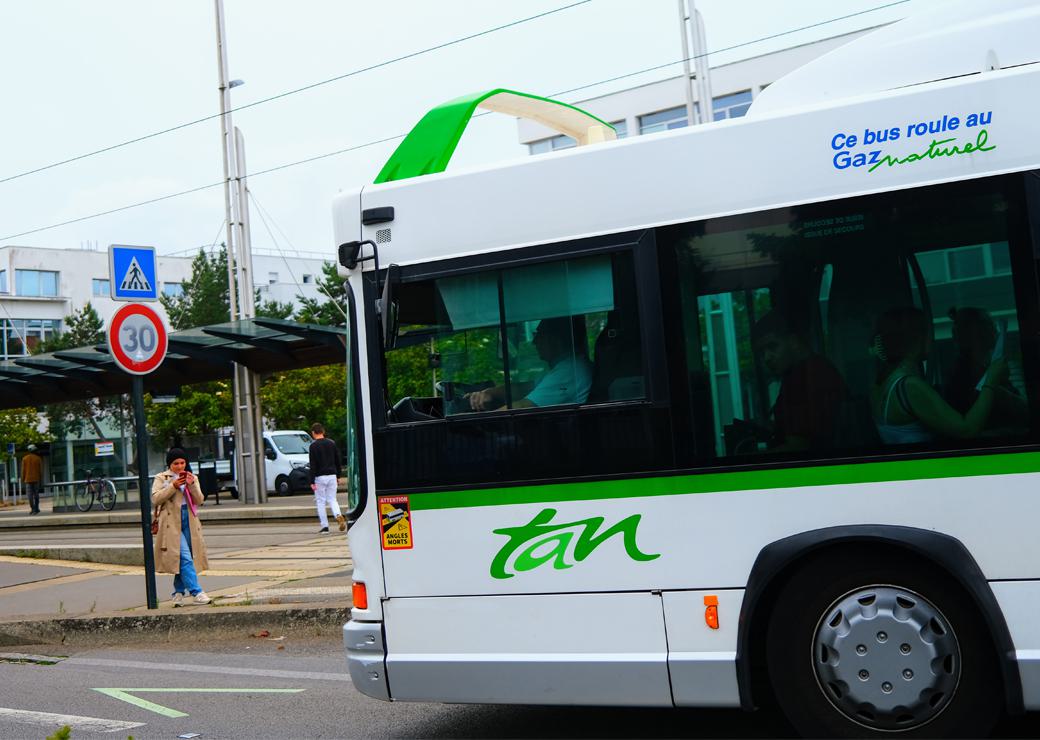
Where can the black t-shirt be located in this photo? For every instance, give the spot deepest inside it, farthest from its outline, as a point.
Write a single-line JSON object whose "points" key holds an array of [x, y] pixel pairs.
{"points": [[324, 457]]}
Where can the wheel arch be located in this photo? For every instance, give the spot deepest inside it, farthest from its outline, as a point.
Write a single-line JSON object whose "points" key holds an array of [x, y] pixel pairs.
{"points": [[778, 560]]}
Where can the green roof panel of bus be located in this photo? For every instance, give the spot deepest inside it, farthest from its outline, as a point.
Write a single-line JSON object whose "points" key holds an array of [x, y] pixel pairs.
{"points": [[428, 147]]}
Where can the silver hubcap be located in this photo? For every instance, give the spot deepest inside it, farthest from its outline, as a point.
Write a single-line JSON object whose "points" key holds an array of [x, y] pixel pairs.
{"points": [[887, 658]]}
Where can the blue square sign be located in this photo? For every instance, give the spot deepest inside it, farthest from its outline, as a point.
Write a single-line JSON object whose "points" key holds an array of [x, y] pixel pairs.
{"points": [[132, 273]]}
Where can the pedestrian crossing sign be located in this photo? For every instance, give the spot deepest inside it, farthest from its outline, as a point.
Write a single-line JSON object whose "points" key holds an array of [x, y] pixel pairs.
{"points": [[132, 273]]}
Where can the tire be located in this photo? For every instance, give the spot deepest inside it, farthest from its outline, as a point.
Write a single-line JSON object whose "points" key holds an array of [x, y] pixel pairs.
{"points": [[281, 485], [107, 495], [85, 497], [831, 623]]}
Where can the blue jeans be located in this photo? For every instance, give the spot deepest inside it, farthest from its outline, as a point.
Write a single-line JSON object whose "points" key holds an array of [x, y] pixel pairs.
{"points": [[187, 579]]}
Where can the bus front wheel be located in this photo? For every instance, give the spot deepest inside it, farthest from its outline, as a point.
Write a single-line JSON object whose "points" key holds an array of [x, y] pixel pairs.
{"points": [[871, 644]]}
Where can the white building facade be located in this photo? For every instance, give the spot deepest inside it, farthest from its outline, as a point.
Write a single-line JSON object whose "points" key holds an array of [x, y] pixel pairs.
{"points": [[40, 287], [660, 106]]}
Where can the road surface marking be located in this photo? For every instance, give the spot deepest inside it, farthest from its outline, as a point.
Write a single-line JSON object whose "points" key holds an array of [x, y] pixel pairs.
{"points": [[46, 719], [125, 695], [226, 670]]}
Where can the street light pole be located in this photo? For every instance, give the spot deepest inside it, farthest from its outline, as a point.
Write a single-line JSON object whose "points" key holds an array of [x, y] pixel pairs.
{"points": [[249, 460], [225, 127]]}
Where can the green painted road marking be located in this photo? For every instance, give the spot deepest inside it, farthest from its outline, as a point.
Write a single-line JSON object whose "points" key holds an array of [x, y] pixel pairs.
{"points": [[125, 695]]}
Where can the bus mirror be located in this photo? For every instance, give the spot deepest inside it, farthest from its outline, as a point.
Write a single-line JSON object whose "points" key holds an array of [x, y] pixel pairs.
{"points": [[388, 308], [350, 254]]}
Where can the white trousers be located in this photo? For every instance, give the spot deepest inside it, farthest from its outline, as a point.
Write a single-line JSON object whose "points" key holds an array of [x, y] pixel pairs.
{"points": [[325, 495]]}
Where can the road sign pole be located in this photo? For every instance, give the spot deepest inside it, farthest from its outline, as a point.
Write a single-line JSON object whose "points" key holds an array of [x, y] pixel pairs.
{"points": [[145, 490]]}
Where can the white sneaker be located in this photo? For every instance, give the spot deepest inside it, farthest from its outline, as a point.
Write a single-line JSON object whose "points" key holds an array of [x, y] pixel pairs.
{"points": [[201, 598], [178, 600]]}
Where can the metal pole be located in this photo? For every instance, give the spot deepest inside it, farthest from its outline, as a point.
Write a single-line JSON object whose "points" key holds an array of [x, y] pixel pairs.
{"points": [[700, 60], [143, 489], [225, 127], [248, 380], [241, 457], [687, 75]]}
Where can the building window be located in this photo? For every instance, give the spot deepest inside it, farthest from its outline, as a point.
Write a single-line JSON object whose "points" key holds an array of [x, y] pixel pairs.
{"points": [[731, 106], [3, 281], [272, 278], [173, 290], [36, 282], [101, 287], [664, 120], [552, 144], [21, 337], [620, 128], [308, 279]]}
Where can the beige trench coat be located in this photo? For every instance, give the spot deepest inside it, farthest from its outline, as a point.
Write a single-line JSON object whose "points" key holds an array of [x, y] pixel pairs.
{"points": [[168, 542]]}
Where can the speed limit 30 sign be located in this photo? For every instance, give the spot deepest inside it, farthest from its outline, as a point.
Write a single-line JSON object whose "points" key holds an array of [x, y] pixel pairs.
{"points": [[137, 338]]}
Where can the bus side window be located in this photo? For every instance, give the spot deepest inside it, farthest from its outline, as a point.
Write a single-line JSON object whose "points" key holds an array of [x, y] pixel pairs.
{"points": [[553, 333], [799, 324], [576, 326]]}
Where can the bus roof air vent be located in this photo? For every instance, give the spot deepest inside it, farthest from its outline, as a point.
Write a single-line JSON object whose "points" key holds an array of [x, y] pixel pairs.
{"points": [[428, 147]]}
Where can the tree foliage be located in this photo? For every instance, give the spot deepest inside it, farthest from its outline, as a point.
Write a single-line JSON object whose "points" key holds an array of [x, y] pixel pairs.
{"points": [[298, 398], [20, 426], [205, 297], [200, 409], [271, 309], [331, 307]]}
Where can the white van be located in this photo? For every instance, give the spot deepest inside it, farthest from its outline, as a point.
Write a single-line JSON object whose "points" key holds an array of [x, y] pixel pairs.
{"points": [[286, 456]]}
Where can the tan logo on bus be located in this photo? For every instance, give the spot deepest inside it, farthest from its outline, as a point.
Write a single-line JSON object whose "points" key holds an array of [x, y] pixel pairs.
{"points": [[395, 519]]}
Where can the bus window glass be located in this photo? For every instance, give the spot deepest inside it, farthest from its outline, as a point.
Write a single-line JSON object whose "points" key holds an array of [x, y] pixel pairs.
{"points": [[547, 334], [822, 331]]}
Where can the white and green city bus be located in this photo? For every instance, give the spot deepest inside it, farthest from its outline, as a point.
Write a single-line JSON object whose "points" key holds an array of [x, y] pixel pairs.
{"points": [[731, 416]]}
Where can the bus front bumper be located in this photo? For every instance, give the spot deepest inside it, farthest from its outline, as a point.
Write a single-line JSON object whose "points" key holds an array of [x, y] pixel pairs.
{"points": [[366, 658]]}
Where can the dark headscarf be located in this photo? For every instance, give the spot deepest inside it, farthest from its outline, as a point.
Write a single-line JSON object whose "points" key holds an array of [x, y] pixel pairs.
{"points": [[175, 453]]}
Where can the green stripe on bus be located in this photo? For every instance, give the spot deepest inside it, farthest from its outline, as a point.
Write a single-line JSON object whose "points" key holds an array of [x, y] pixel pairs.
{"points": [[748, 480]]}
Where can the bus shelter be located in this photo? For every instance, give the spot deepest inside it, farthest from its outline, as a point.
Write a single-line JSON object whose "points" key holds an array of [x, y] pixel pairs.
{"points": [[198, 355]]}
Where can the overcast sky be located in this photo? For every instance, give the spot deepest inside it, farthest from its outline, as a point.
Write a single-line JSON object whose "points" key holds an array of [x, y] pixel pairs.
{"points": [[81, 76]]}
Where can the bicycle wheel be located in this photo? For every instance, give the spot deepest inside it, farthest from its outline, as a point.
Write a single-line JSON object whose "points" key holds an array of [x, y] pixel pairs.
{"points": [[85, 496], [107, 494]]}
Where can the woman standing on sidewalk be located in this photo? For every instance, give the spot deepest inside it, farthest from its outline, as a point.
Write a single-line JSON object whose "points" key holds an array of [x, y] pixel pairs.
{"points": [[179, 547]]}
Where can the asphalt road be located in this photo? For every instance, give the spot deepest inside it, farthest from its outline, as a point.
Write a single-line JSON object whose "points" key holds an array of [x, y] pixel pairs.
{"points": [[298, 688]]}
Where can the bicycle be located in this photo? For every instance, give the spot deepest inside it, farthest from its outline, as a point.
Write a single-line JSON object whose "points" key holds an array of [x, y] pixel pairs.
{"points": [[93, 488]]}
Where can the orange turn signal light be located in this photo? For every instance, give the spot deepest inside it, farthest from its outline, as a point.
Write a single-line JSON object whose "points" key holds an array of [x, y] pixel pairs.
{"points": [[360, 594], [711, 611]]}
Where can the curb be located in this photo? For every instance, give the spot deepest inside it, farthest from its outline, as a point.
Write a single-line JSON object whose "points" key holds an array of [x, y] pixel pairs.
{"points": [[211, 515], [167, 626], [110, 554]]}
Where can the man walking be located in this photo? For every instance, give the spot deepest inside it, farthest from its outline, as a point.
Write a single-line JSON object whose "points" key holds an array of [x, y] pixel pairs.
{"points": [[32, 475], [325, 470]]}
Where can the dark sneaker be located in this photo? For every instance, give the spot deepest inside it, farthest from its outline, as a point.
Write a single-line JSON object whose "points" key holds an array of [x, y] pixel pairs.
{"points": [[323, 530]]}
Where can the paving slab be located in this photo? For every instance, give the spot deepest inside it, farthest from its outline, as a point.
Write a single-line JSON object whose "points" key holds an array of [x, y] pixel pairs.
{"points": [[16, 574]]}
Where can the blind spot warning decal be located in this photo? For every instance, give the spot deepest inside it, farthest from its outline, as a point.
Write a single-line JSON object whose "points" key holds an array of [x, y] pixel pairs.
{"points": [[395, 521]]}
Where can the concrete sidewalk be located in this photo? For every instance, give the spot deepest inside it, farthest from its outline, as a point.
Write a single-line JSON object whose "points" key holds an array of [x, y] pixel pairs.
{"points": [[41, 598]]}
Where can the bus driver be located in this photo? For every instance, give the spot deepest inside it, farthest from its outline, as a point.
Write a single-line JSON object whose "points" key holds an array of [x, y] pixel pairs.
{"points": [[560, 343]]}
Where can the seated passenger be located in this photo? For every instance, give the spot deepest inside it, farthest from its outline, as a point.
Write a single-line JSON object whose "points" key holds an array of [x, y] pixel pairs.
{"points": [[811, 389], [906, 408], [560, 343], [976, 335]]}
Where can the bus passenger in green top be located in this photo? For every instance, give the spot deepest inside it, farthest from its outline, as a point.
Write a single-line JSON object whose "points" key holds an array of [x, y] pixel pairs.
{"points": [[560, 343]]}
